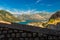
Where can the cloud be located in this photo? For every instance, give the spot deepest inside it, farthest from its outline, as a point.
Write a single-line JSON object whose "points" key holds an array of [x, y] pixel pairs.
{"points": [[27, 12], [32, 12], [38, 1], [18, 11], [7, 9]]}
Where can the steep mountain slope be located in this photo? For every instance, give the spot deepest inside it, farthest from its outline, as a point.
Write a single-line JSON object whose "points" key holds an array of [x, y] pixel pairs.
{"points": [[54, 21], [8, 17], [55, 18], [56, 15]]}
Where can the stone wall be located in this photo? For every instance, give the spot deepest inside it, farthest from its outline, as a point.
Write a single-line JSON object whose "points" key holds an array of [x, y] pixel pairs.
{"points": [[17, 34]]}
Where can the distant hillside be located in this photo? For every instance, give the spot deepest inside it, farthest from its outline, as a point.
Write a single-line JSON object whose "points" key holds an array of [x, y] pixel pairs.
{"points": [[8, 17], [36, 16]]}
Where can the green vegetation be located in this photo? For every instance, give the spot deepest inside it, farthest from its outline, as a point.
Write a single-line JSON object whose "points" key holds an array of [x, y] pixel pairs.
{"points": [[51, 20]]}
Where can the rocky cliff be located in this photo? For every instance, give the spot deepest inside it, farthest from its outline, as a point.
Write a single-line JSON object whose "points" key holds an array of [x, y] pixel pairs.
{"points": [[54, 21]]}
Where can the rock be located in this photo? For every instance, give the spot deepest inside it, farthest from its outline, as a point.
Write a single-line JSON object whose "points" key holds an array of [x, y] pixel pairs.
{"points": [[56, 15], [51, 26]]}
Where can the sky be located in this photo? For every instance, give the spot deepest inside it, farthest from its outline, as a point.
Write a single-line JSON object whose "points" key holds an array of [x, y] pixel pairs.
{"points": [[29, 6]]}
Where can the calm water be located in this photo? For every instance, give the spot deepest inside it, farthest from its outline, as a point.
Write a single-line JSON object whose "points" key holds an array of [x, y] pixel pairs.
{"points": [[28, 21]]}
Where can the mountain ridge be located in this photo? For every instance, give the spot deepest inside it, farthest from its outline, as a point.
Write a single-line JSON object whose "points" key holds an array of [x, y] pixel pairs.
{"points": [[36, 16], [6, 16], [54, 21]]}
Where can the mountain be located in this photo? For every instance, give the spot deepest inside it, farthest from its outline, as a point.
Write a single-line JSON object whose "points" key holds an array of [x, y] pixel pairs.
{"points": [[55, 18], [54, 21], [39, 18], [6, 16], [36, 16], [46, 16], [30, 17], [16, 15], [56, 15]]}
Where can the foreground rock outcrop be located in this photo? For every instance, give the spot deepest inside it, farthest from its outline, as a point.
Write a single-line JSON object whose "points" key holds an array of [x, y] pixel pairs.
{"points": [[56, 15], [54, 21], [16, 31]]}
